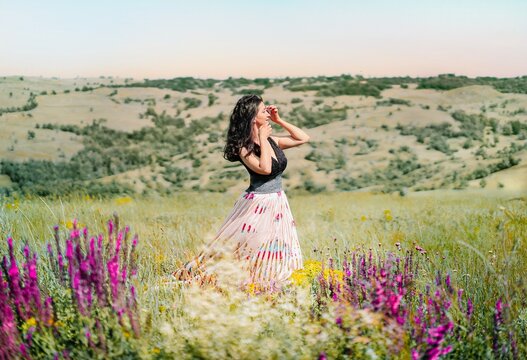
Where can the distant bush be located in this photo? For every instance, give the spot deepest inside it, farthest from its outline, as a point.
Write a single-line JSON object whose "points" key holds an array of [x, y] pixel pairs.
{"points": [[392, 101], [258, 92], [439, 143], [175, 175], [514, 127], [343, 88], [445, 82], [30, 105], [303, 117], [212, 99], [296, 100], [451, 81], [109, 152], [401, 173], [473, 126], [505, 163], [467, 144], [181, 84], [422, 133], [312, 187], [191, 103]]}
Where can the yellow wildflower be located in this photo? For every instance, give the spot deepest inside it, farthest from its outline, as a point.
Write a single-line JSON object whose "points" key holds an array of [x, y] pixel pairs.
{"points": [[123, 200], [29, 323], [251, 289], [13, 205], [312, 269], [398, 236]]}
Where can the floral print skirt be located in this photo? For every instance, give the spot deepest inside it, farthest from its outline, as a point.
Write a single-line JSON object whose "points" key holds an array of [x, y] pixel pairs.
{"points": [[260, 232]]}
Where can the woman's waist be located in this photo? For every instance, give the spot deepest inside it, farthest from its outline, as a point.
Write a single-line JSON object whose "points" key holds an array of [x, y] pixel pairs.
{"points": [[266, 185]]}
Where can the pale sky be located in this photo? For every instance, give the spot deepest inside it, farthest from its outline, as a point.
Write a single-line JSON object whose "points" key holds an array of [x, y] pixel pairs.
{"points": [[218, 39]]}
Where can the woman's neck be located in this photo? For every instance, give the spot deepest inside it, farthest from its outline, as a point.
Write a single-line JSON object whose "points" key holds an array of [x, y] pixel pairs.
{"points": [[255, 139]]}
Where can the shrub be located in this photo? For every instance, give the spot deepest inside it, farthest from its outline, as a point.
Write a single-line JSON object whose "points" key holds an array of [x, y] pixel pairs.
{"points": [[258, 92], [439, 143], [303, 117], [392, 101], [191, 103], [212, 99]]}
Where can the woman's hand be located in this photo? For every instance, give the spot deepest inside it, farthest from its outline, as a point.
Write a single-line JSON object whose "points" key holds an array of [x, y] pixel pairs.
{"points": [[273, 112], [265, 130]]}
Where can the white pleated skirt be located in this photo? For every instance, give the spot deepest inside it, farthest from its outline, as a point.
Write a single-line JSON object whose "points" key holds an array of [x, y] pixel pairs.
{"points": [[261, 233]]}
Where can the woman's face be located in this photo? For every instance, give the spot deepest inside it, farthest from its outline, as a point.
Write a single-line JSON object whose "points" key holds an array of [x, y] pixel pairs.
{"points": [[262, 116]]}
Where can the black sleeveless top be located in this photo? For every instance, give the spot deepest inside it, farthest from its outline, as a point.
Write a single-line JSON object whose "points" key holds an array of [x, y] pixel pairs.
{"points": [[278, 165]]}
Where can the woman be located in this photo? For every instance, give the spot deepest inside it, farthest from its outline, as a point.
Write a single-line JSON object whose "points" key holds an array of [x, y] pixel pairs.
{"points": [[260, 230]]}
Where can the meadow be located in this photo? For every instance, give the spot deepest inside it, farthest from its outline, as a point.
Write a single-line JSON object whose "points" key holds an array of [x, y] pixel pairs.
{"points": [[428, 275]]}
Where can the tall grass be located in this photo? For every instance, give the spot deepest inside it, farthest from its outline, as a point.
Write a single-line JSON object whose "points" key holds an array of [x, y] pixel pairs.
{"points": [[475, 239]]}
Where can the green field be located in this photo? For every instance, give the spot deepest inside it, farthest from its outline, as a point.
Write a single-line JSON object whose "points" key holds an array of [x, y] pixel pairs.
{"points": [[476, 237]]}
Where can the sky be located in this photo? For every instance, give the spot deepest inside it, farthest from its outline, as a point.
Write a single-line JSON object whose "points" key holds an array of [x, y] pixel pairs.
{"points": [[218, 39]]}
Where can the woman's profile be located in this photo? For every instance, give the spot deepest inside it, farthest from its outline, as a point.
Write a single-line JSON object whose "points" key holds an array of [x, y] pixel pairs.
{"points": [[260, 230]]}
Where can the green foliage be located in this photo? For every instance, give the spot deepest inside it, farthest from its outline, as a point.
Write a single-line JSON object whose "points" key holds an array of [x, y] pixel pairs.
{"points": [[439, 143], [181, 84], [191, 103], [212, 99], [258, 92], [457, 231], [392, 101], [367, 146], [514, 127], [451, 81], [472, 126], [402, 172], [422, 133], [109, 152], [482, 171], [30, 105], [312, 187], [342, 88], [302, 117], [175, 175]]}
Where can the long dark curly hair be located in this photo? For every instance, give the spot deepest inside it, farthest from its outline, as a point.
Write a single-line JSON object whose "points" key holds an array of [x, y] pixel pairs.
{"points": [[240, 127]]}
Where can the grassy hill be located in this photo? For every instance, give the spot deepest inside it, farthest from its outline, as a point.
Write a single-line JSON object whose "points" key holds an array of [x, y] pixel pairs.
{"points": [[110, 135]]}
